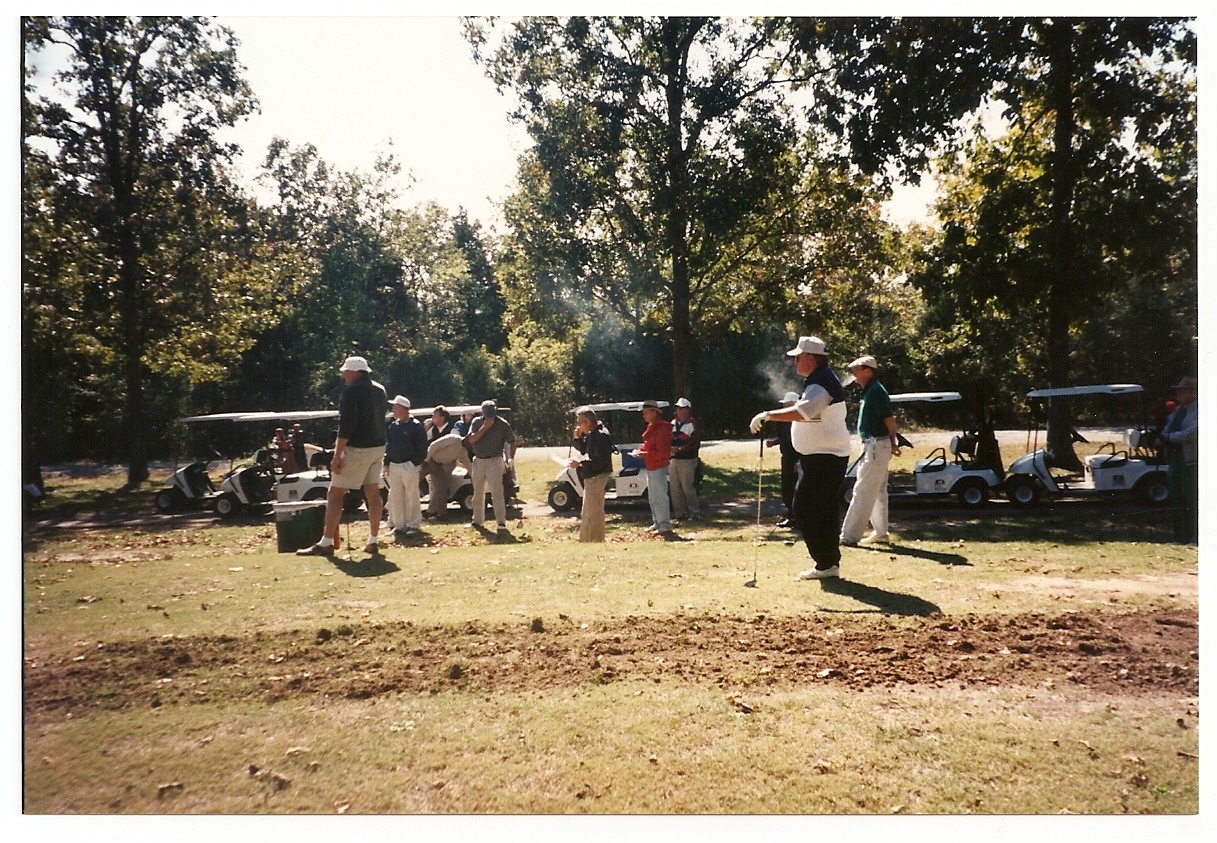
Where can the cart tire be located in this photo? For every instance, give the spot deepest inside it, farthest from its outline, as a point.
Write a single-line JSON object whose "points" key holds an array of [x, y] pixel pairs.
{"points": [[1153, 489], [168, 501], [227, 505], [466, 501], [562, 497], [972, 493], [352, 500], [317, 494], [1023, 490]]}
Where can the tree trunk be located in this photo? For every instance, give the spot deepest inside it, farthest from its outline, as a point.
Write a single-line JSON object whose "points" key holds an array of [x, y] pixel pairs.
{"points": [[131, 308], [1060, 440], [676, 45]]}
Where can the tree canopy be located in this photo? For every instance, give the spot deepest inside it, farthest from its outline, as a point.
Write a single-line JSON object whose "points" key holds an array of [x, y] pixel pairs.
{"points": [[698, 192]]}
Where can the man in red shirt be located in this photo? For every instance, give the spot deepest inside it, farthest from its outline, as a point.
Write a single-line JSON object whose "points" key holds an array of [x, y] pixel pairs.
{"points": [[656, 453]]}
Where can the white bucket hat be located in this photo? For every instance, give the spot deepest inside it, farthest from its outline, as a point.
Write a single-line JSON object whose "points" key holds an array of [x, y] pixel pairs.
{"points": [[355, 364], [807, 345]]}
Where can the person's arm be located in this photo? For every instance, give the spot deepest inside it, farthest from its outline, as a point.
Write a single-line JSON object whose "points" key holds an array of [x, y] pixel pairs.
{"points": [[807, 408], [475, 436], [890, 421], [1189, 432]]}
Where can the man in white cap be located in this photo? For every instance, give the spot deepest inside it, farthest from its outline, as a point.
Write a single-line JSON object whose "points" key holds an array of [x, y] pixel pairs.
{"points": [[359, 452], [405, 450], [789, 460], [877, 430], [1180, 435], [686, 444], [819, 434]]}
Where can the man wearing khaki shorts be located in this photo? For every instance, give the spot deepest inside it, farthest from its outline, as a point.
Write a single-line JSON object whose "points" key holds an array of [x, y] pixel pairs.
{"points": [[359, 453]]}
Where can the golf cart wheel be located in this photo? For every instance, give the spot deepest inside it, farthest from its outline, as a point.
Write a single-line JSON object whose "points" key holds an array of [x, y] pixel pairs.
{"points": [[352, 500], [1022, 490], [1153, 488], [314, 495], [562, 497], [227, 505], [972, 493], [168, 501]]}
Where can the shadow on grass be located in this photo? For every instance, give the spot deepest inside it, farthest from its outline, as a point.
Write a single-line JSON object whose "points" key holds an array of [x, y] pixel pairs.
{"points": [[371, 566], [1063, 522], [917, 553], [885, 602]]}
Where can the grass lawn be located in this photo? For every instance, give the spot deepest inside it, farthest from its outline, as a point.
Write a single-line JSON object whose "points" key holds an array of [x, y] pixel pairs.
{"points": [[992, 661]]}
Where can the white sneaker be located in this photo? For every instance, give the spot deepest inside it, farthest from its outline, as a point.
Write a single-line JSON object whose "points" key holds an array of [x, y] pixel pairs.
{"points": [[873, 538], [820, 573]]}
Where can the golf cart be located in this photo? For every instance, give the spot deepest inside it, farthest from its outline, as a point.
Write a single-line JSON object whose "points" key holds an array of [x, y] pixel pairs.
{"points": [[253, 486], [248, 486], [627, 484], [188, 487], [969, 467], [1135, 469]]}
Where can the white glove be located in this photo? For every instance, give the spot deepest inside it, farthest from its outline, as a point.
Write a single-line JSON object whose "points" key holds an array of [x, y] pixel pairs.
{"points": [[758, 421]]}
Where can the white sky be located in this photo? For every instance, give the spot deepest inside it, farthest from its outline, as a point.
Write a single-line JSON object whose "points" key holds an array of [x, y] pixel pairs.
{"points": [[351, 86]]}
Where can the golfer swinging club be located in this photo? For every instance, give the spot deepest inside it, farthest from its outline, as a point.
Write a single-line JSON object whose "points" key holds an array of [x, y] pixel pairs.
{"points": [[819, 434]]}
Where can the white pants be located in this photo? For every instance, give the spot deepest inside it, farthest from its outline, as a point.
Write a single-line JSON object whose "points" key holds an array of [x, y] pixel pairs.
{"points": [[488, 477], [657, 496], [869, 503], [405, 510]]}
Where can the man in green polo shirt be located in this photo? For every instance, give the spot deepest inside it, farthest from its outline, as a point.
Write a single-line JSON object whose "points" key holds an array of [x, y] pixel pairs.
{"points": [[877, 429]]}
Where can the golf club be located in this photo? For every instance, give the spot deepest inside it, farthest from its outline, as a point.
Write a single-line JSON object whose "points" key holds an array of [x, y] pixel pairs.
{"points": [[756, 542]]}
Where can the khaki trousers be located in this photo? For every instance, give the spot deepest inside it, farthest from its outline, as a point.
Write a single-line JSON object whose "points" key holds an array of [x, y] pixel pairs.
{"points": [[488, 477], [591, 517]]}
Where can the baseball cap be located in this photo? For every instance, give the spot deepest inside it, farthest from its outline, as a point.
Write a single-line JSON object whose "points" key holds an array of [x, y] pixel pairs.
{"points": [[402, 400], [683, 402], [865, 360]]}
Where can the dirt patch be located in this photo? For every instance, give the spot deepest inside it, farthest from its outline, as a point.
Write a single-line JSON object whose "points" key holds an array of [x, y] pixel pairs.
{"points": [[1149, 652]]}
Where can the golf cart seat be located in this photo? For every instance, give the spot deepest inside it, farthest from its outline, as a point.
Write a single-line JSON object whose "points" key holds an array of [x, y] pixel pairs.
{"points": [[198, 479], [1106, 460], [321, 459]]}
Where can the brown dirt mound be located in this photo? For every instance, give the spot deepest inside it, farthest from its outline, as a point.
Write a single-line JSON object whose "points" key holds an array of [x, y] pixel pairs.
{"points": [[1147, 652]]}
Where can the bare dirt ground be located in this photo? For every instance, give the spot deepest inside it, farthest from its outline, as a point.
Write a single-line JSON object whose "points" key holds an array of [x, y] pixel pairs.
{"points": [[1149, 652]]}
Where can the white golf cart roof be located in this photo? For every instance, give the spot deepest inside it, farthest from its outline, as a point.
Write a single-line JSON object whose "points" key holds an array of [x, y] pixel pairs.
{"points": [[453, 410], [1094, 389], [932, 397], [307, 415], [632, 406], [264, 416]]}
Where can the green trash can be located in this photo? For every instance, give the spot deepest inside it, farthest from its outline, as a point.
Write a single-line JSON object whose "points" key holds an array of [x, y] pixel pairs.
{"points": [[299, 524]]}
